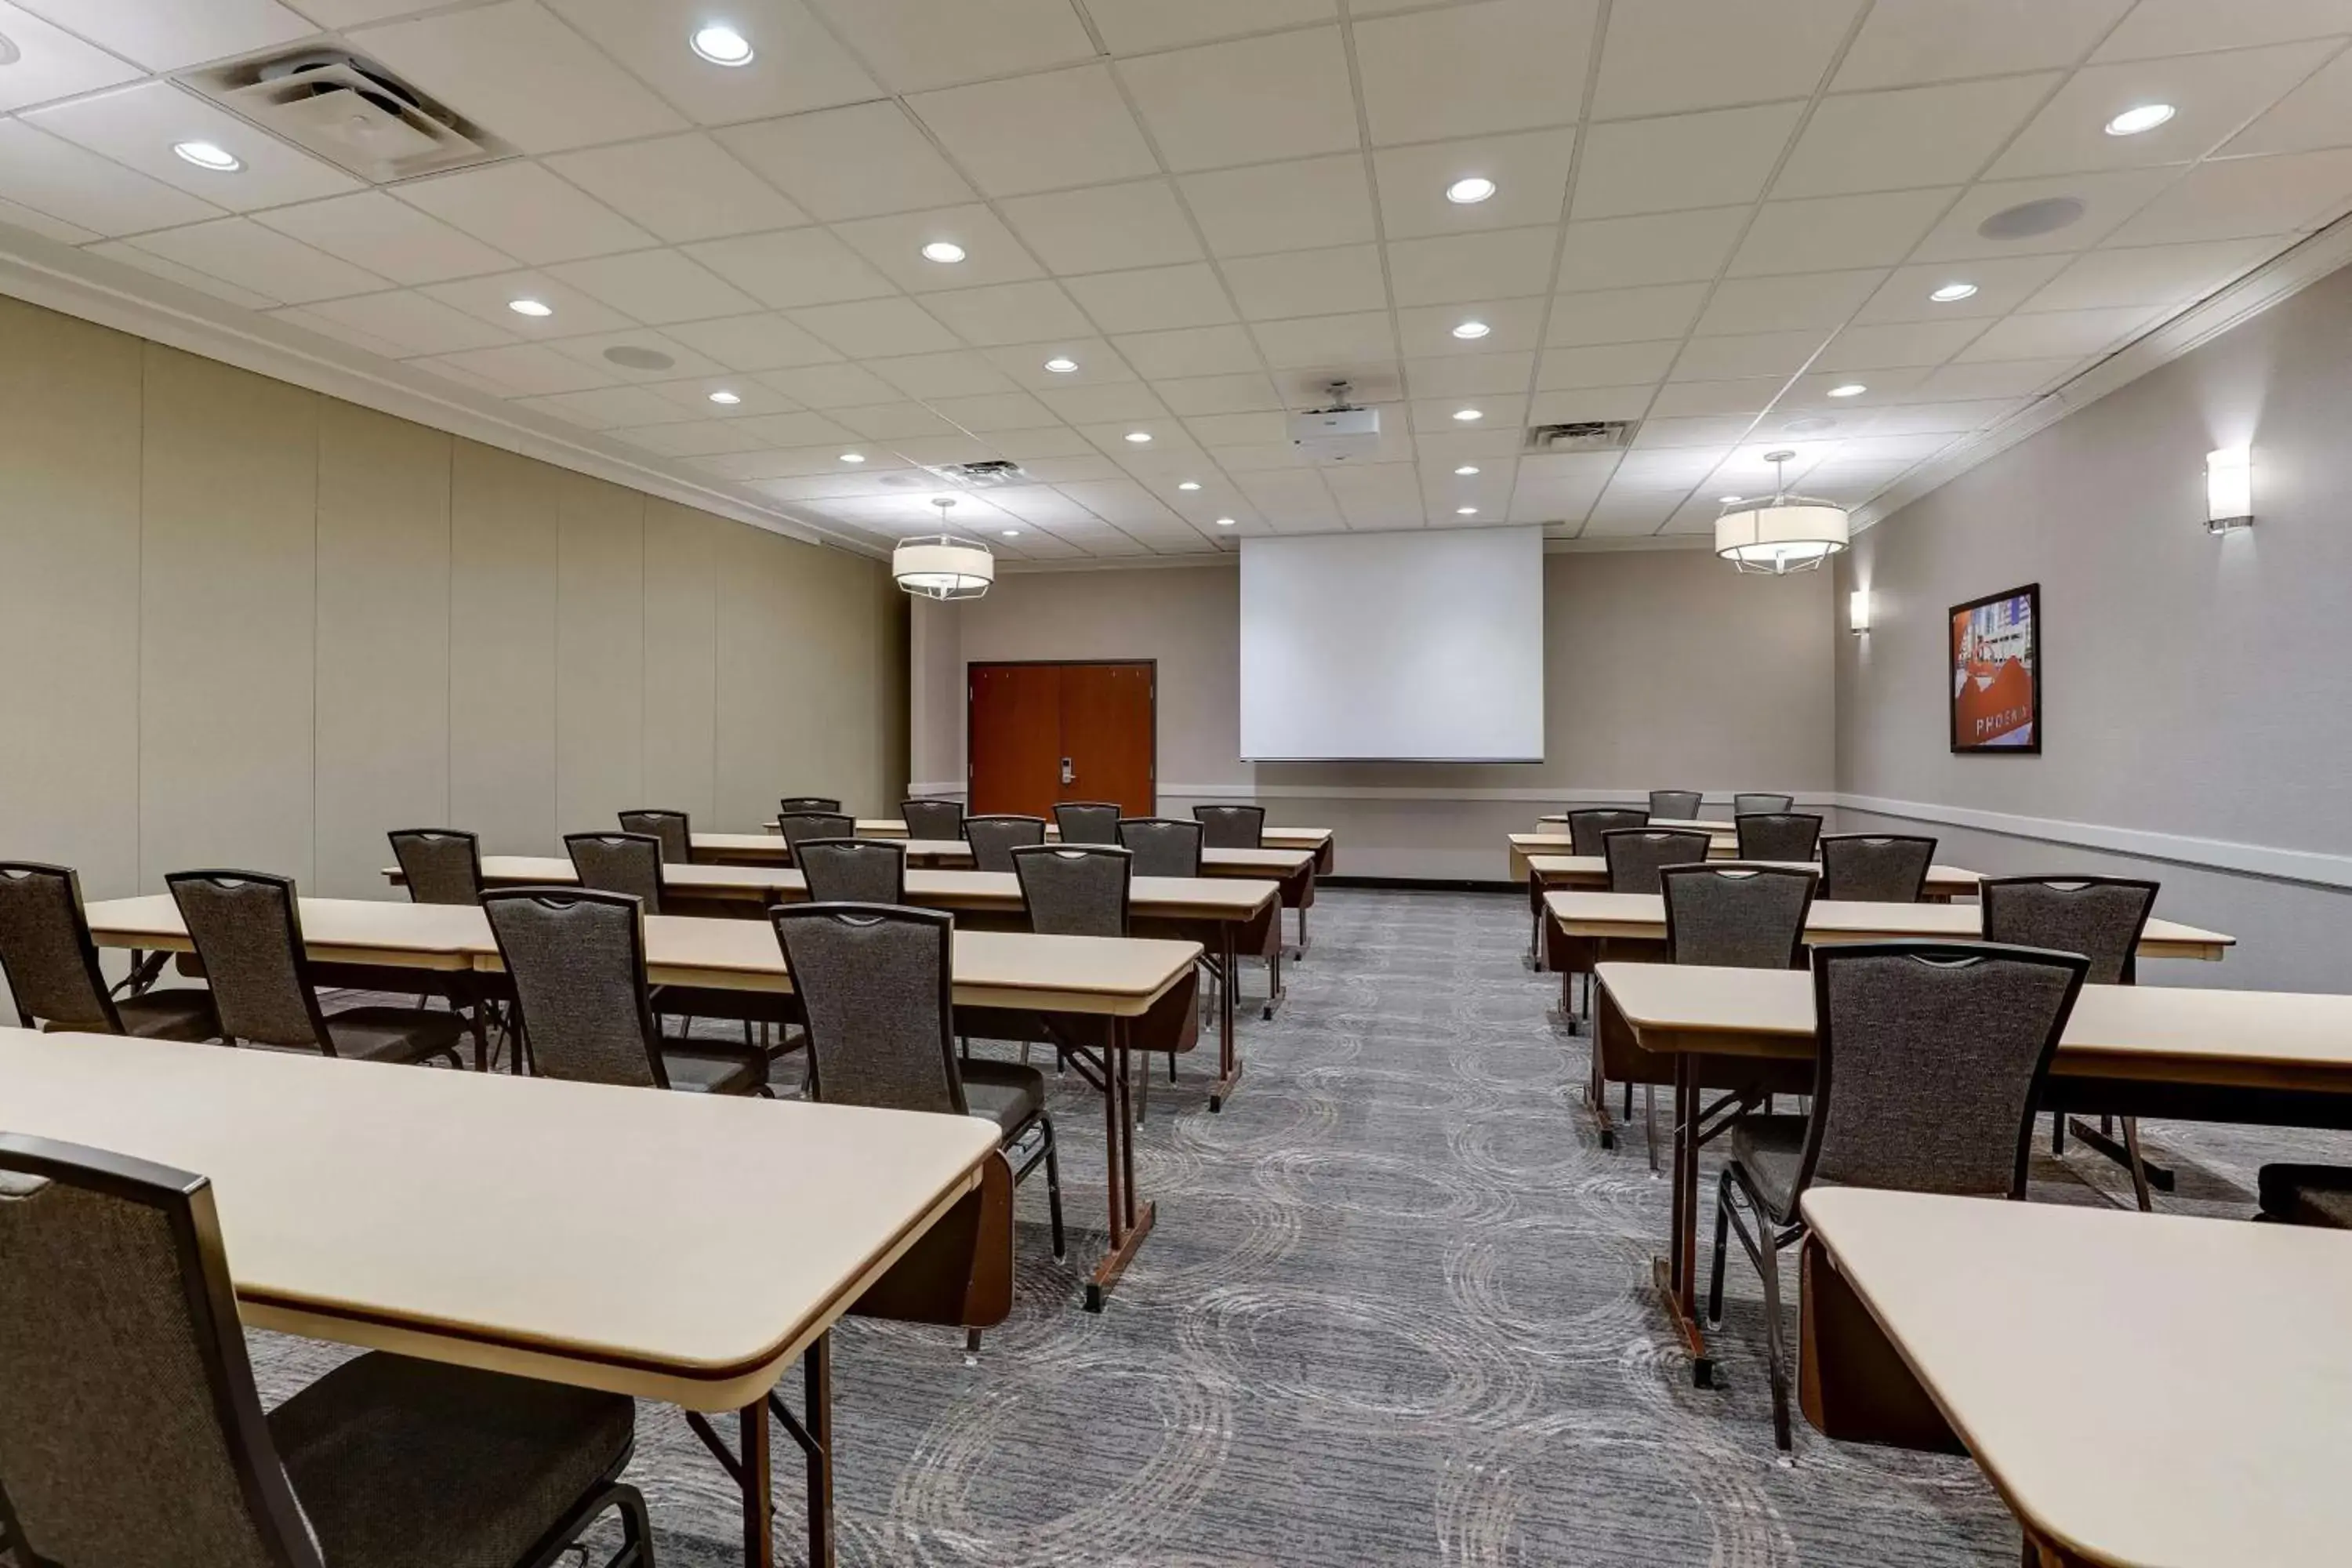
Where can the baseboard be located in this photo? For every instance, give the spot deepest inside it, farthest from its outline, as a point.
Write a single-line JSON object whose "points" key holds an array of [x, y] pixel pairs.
{"points": [[1424, 884]]}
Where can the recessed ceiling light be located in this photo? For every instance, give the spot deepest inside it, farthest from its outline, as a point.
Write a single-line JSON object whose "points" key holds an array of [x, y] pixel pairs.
{"points": [[1467, 416], [1472, 330], [1466, 469], [1729, 500], [1952, 293], [1466, 511], [1225, 522], [727, 398], [944, 251], [1851, 389], [2143, 117], [208, 155], [1061, 366], [1476, 188], [1190, 485], [722, 46], [1138, 436], [853, 457], [531, 308], [1011, 533]]}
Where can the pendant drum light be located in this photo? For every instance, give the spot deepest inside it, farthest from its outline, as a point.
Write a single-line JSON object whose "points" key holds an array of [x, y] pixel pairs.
{"points": [[942, 566], [1780, 534]]}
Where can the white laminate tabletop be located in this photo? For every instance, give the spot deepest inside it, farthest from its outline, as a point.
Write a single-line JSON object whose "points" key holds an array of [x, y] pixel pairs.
{"points": [[1643, 916], [367, 930], [1593, 869]]}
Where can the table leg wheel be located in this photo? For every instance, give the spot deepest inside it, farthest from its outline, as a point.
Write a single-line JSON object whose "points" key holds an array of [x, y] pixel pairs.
{"points": [[1703, 1373], [1608, 1139]]}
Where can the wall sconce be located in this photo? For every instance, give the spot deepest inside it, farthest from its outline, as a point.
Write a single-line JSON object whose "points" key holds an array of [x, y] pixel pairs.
{"points": [[1857, 611], [2229, 490]]}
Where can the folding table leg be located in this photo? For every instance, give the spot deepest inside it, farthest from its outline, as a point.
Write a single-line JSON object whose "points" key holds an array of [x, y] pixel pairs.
{"points": [[1130, 1222]]}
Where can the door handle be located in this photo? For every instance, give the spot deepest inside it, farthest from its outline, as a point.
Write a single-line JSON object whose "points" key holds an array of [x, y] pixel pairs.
{"points": [[1068, 776]]}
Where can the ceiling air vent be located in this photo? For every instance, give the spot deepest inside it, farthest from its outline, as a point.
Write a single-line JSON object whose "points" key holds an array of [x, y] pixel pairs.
{"points": [[1583, 435], [351, 111], [996, 471]]}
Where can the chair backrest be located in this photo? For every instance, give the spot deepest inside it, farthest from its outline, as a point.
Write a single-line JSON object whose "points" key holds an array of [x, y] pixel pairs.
{"points": [[577, 960], [674, 828], [1163, 846], [800, 826], [2099, 917], [1877, 867], [1751, 801], [1636, 855], [1737, 916], [853, 870], [932, 818], [46, 951], [1679, 803], [247, 930], [1231, 827], [993, 839], [1585, 827], [792, 803], [440, 864], [1075, 889], [1778, 834], [876, 985], [130, 1431], [627, 863], [1932, 1060], [1089, 821]]}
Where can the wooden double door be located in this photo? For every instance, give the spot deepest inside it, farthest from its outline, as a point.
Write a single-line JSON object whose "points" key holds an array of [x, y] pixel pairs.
{"points": [[1039, 733]]}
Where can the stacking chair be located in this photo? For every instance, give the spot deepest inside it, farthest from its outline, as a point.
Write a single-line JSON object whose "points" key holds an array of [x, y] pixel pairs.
{"points": [[1875, 868], [674, 829], [1778, 834], [1743, 803], [792, 803], [2318, 1195], [131, 1430], [877, 982], [2102, 918], [1932, 1058], [932, 818], [1682, 805], [577, 961], [440, 864], [247, 930], [993, 839], [1089, 821], [1163, 846], [854, 870], [1584, 830], [1231, 827], [799, 826], [1636, 855], [52, 970], [627, 863]]}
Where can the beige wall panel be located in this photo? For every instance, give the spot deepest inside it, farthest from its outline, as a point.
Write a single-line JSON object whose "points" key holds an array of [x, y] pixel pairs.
{"points": [[69, 439], [762, 754], [600, 660], [502, 595], [227, 606], [383, 640], [681, 684]]}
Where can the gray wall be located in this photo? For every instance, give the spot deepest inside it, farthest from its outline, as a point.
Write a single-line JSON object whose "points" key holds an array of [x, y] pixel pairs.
{"points": [[2198, 702], [251, 625], [1662, 668]]}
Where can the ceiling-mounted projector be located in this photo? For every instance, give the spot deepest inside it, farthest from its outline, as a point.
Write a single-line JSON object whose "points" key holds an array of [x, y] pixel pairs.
{"points": [[1340, 434]]}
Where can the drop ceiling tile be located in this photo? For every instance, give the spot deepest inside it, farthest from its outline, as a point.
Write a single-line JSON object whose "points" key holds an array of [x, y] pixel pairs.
{"points": [[1747, 354], [1241, 393], [1469, 375], [1796, 299], [1053, 453], [754, 342], [693, 438], [859, 162], [1714, 159], [1867, 451], [1629, 516], [1239, 460], [692, 397], [1263, 428], [1009, 313], [2316, 115], [373, 230], [1133, 26], [1530, 171], [892, 422], [52, 63], [1105, 228], [2233, 198], [1824, 232], [795, 462], [959, 372], [1287, 496], [874, 329], [515, 67], [2001, 283], [1665, 469], [1152, 298], [523, 370], [795, 267], [596, 349], [796, 64], [608, 407], [138, 127], [2216, 94], [1334, 341], [44, 226], [2107, 200], [1251, 101], [1189, 352], [680, 188], [487, 299], [77, 186], [1655, 64], [2174, 275], [1122, 501], [1625, 315], [413, 323], [1898, 343], [1712, 430], [990, 413], [894, 246], [1096, 361], [1751, 395], [1466, 70], [1495, 265], [2059, 332], [921, 43], [1808, 395], [1283, 206], [302, 316], [1308, 282], [1103, 404], [657, 286], [1905, 41], [829, 385], [129, 254], [791, 429], [166, 35], [525, 211], [1605, 364], [1041, 132], [1907, 137], [1384, 495], [240, 251], [1949, 418], [2188, 26], [1671, 247], [1513, 326], [2015, 378]]}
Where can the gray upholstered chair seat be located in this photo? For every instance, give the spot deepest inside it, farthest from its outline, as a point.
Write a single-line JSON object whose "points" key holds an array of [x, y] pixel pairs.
{"points": [[714, 1068], [182, 1014], [411, 1464], [2306, 1195], [394, 1034], [1772, 1148], [1003, 1092]]}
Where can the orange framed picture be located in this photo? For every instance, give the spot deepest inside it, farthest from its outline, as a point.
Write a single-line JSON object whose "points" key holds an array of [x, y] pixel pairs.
{"points": [[1996, 673]]}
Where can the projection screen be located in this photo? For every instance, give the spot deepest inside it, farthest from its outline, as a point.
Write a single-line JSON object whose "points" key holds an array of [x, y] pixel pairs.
{"points": [[1423, 646]]}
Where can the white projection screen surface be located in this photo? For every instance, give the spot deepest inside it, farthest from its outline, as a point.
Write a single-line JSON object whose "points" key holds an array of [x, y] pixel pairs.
{"points": [[1393, 647]]}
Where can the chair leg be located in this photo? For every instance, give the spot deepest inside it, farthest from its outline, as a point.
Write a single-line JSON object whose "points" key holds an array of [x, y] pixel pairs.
{"points": [[1143, 1101], [1171, 1067], [1649, 1118], [1775, 1356], [636, 1531], [1722, 1235], [1629, 1100], [971, 1341], [2138, 1166], [1024, 1053], [1054, 1183]]}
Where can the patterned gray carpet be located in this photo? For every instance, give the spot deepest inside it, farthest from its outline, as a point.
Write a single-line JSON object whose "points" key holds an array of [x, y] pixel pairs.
{"points": [[1394, 1312]]}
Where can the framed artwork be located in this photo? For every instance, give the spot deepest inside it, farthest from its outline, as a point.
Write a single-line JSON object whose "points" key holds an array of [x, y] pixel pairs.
{"points": [[1996, 673]]}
